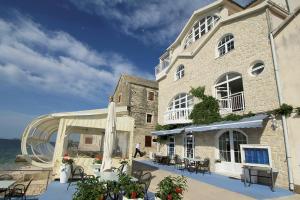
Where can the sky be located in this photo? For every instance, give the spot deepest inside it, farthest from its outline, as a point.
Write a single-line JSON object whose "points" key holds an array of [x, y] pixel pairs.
{"points": [[67, 55]]}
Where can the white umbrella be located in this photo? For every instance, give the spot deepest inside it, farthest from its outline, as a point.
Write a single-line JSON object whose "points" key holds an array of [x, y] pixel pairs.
{"points": [[110, 134]]}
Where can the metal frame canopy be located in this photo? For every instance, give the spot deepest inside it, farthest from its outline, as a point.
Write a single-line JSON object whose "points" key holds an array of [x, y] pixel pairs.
{"points": [[36, 144]]}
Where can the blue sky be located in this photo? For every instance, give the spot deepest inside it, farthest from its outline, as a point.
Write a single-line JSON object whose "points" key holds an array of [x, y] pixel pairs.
{"points": [[68, 55]]}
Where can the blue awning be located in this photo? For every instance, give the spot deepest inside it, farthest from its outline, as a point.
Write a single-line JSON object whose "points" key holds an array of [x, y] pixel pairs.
{"points": [[249, 122]]}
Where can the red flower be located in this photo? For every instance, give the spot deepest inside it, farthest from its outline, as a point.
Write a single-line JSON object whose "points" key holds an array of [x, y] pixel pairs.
{"points": [[178, 190], [66, 154], [169, 197], [133, 195]]}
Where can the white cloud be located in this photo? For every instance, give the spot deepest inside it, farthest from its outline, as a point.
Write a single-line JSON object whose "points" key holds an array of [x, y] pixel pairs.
{"points": [[54, 61], [151, 21]]}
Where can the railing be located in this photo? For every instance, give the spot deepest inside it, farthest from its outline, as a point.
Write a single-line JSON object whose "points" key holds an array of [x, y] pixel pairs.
{"points": [[180, 115], [161, 66], [234, 103]]}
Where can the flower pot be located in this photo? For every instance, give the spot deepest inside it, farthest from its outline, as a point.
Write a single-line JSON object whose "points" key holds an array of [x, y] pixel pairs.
{"points": [[125, 198], [65, 171]]}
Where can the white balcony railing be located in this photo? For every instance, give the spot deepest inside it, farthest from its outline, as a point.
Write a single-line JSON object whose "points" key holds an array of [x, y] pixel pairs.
{"points": [[233, 103], [177, 116], [161, 66]]}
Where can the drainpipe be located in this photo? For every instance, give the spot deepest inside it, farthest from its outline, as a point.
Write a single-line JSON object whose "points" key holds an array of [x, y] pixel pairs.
{"points": [[284, 121]]}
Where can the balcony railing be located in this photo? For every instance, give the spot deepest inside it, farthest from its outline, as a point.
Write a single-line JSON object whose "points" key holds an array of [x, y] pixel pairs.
{"points": [[233, 103], [161, 66], [178, 116]]}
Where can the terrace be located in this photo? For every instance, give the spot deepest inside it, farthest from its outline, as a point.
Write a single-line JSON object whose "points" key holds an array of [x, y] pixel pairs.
{"points": [[207, 186]]}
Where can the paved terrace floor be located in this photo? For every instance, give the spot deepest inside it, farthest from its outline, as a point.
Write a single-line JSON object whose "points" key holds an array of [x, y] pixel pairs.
{"points": [[208, 187], [214, 186]]}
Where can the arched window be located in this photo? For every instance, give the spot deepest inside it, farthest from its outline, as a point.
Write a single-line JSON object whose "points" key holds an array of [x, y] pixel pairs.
{"points": [[200, 28], [179, 72], [181, 101], [229, 91], [226, 44], [229, 146]]}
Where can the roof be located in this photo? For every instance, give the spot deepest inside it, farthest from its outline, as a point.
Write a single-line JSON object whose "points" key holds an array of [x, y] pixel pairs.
{"points": [[139, 81], [248, 122]]}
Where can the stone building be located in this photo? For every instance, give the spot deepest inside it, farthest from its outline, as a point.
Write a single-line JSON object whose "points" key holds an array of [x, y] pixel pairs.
{"points": [[141, 98], [228, 49]]}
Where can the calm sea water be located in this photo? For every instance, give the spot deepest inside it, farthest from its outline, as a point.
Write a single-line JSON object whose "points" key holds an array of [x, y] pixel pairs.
{"points": [[8, 151]]}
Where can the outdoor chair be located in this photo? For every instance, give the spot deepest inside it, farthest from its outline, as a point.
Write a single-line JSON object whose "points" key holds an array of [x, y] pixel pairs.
{"points": [[187, 164], [166, 160], [137, 174], [17, 191], [204, 166], [76, 175], [179, 164], [120, 170], [145, 180]]}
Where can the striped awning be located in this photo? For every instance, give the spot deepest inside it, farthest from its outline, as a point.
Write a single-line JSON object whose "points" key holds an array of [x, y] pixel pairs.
{"points": [[249, 122]]}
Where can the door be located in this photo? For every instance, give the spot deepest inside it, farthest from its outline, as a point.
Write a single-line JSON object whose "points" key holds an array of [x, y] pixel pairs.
{"points": [[229, 152]]}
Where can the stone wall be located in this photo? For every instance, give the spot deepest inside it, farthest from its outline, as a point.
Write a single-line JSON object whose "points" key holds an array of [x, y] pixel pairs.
{"points": [[204, 69], [206, 146], [139, 107]]}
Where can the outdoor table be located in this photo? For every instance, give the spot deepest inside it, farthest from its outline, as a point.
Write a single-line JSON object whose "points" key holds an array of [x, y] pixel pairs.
{"points": [[111, 176], [267, 169], [5, 184]]}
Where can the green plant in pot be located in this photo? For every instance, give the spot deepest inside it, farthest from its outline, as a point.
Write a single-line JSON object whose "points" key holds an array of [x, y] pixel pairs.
{"points": [[90, 189], [171, 188], [133, 191]]}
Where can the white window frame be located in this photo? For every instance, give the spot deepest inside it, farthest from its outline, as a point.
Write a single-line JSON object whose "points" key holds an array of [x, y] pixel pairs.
{"points": [[148, 95], [256, 146], [188, 100], [151, 118], [232, 156], [171, 143], [191, 37], [179, 74], [185, 145], [225, 44], [258, 68]]}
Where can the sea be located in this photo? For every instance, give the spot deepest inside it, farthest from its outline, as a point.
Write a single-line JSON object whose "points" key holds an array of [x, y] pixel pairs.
{"points": [[9, 149]]}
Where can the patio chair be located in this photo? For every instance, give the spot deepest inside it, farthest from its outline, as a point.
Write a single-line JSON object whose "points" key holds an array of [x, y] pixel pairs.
{"points": [[166, 160], [120, 170], [145, 180], [187, 164], [17, 191], [204, 166], [137, 174], [76, 175], [179, 164]]}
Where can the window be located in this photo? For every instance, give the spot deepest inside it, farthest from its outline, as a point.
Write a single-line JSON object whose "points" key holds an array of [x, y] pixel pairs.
{"points": [[200, 28], [150, 96], [182, 100], [179, 72], [119, 98], [149, 118], [229, 146], [189, 146], [257, 68], [256, 154], [171, 146], [226, 44], [88, 140], [148, 141]]}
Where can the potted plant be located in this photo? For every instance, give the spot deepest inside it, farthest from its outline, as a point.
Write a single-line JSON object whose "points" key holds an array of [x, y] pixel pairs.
{"points": [[133, 191], [171, 188], [65, 168], [97, 163], [90, 189]]}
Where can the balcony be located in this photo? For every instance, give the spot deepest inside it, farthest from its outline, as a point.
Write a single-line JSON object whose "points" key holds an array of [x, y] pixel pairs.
{"points": [[233, 103], [178, 116], [164, 64]]}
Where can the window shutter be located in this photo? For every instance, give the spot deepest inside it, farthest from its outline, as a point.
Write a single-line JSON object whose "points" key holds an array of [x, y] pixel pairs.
{"points": [[148, 141]]}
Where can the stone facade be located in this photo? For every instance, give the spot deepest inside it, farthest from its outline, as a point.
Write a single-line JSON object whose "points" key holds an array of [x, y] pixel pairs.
{"points": [[203, 67], [134, 94]]}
